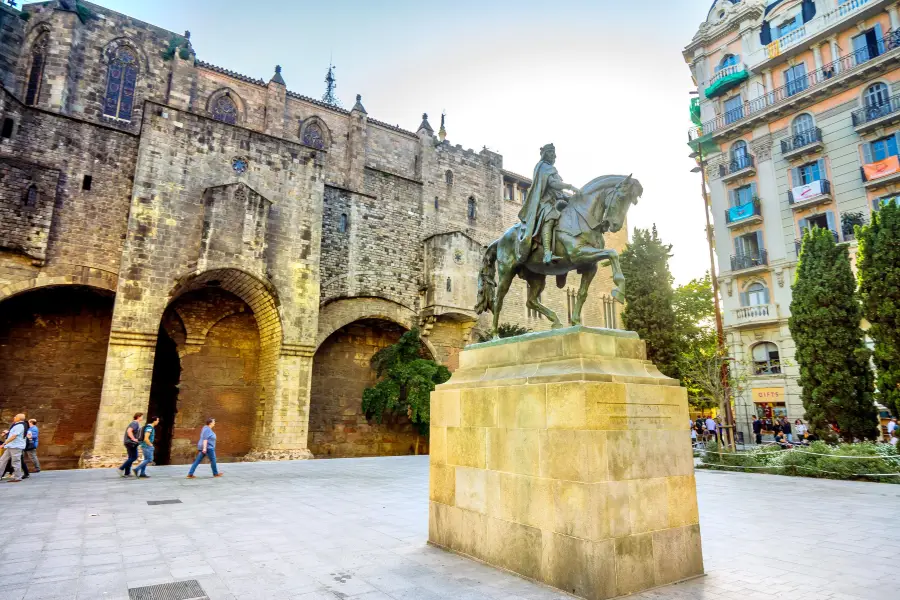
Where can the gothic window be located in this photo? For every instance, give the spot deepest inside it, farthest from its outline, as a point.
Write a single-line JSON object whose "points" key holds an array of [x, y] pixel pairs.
{"points": [[448, 176], [120, 84], [313, 136], [449, 285], [472, 207], [224, 109], [436, 203], [36, 75], [342, 228], [31, 195]]}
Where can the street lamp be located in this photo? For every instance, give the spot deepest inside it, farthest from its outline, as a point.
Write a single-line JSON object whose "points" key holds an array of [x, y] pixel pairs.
{"points": [[720, 333]]}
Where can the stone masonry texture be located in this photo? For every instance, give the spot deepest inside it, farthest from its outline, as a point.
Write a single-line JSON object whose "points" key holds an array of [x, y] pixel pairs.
{"points": [[241, 267]]}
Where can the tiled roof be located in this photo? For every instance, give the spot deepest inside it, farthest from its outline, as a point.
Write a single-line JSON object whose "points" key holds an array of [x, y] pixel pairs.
{"points": [[230, 73]]}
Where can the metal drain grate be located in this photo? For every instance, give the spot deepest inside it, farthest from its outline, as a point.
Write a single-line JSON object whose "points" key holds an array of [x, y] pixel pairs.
{"points": [[155, 502], [180, 590]]}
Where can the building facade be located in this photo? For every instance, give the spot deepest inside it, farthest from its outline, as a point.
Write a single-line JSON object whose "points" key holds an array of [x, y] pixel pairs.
{"points": [[797, 120], [182, 240]]}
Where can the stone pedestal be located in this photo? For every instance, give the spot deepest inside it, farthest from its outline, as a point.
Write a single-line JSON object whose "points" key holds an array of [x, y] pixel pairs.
{"points": [[564, 456]]}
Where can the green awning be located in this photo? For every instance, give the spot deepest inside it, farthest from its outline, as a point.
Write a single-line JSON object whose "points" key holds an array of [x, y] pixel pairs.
{"points": [[704, 141], [695, 112], [723, 84]]}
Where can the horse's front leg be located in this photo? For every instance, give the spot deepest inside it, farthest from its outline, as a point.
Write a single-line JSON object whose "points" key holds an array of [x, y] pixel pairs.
{"points": [[506, 275], [587, 275], [618, 276], [536, 285]]}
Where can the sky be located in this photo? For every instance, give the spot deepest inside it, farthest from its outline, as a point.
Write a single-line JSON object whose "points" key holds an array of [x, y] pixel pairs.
{"points": [[604, 80]]}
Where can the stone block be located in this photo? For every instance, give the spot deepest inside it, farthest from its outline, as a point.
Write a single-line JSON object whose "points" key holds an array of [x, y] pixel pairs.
{"points": [[471, 489], [514, 450], [635, 566], [478, 407], [563, 561], [445, 408], [466, 446], [573, 455], [515, 547], [566, 406], [442, 484], [681, 494], [677, 554], [522, 406]]}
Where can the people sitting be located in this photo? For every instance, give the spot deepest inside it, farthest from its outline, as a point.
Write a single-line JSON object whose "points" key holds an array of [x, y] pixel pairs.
{"points": [[782, 441]]}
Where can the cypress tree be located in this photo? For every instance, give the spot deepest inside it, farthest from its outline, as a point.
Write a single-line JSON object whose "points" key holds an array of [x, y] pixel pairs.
{"points": [[649, 298], [834, 361], [879, 288]]}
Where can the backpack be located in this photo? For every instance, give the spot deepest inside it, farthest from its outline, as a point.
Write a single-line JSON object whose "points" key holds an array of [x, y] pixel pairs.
{"points": [[29, 443]]}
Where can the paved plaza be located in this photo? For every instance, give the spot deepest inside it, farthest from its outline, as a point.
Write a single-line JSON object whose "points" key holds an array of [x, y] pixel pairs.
{"points": [[357, 528]]}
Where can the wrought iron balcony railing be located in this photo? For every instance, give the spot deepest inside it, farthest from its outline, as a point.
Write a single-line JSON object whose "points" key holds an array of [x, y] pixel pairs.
{"points": [[749, 260], [825, 186], [874, 112], [736, 165], [888, 42], [801, 139], [736, 214]]}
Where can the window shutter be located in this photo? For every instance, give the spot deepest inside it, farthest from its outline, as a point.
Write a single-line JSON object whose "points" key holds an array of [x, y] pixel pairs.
{"points": [[867, 153], [766, 295], [759, 240], [752, 190], [732, 198], [802, 225], [878, 38], [897, 138], [739, 245], [808, 10], [745, 299], [765, 34], [830, 217], [821, 163], [795, 177]]}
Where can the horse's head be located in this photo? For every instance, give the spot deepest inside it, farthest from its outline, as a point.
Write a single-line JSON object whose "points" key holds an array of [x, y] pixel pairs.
{"points": [[617, 202]]}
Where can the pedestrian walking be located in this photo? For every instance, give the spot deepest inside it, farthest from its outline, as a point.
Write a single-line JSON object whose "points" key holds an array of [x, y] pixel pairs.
{"points": [[148, 436], [786, 429], [131, 441], [711, 428], [31, 444], [13, 447], [206, 447], [757, 429]]}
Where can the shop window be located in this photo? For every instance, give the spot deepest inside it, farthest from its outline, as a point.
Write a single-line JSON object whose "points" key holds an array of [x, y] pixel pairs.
{"points": [[765, 359], [120, 84]]}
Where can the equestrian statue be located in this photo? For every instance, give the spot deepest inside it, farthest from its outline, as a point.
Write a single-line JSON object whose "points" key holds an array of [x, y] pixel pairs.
{"points": [[557, 233]]}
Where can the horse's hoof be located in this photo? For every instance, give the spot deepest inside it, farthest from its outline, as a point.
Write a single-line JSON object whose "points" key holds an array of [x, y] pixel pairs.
{"points": [[557, 325]]}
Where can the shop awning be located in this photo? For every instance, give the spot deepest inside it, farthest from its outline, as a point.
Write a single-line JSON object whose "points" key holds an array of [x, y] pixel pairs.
{"points": [[723, 84]]}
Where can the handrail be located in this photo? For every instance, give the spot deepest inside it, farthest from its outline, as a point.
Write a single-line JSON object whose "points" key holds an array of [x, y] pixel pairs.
{"points": [[801, 139], [886, 43], [749, 260], [872, 112]]}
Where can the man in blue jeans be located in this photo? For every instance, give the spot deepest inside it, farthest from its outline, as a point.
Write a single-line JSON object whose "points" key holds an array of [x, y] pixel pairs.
{"points": [[147, 438], [131, 442], [206, 447]]}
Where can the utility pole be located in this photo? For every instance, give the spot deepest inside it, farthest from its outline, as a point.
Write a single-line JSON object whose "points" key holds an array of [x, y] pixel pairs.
{"points": [[720, 332]]}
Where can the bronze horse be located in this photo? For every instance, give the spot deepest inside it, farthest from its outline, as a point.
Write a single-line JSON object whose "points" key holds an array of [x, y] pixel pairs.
{"points": [[598, 207]]}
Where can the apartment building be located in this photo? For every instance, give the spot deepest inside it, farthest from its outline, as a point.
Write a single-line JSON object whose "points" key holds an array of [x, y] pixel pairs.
{"points": [[798, 121]]}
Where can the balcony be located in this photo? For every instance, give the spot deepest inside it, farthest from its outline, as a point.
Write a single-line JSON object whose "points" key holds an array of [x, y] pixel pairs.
{"points": [[743, 166], [752, 316], [811, 194], [876, 115], [745, 214], [848, 223], [815, 30], [726, 79], [880, 172], [804, 142], [750, 262], [801, 92], [798, 244]]}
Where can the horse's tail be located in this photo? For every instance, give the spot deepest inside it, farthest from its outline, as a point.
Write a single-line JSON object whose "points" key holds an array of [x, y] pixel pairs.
{"points": [[487, 279]]}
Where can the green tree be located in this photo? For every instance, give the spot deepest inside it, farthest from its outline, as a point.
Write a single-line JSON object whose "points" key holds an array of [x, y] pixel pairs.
{"points": [[834, 361], [879, 288], [649, 298], [695, 314], [407, 379], [504, 330]]}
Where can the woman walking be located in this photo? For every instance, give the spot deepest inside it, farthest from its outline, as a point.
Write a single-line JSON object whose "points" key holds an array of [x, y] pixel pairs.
{"points": [[206, 447]]}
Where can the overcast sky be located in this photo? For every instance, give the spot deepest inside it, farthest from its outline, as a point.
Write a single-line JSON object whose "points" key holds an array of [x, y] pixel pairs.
{"points": [[604, 80]]}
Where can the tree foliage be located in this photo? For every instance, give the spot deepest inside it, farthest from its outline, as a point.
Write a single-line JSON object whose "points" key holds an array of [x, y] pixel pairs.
{"points": [[504, 330], [695, 324], [879, 289], [834, 361], [406, 382], [649, 298]]}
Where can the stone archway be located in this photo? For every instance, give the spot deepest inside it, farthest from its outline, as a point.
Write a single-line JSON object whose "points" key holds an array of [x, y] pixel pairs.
{"points": [[340, 373], [53, 345], [232, 339]]}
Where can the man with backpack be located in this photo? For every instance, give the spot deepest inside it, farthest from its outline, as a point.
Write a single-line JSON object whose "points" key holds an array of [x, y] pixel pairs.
{"points": [[13, 447], [132, 441], [147, 438]]}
